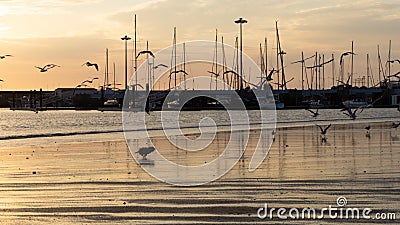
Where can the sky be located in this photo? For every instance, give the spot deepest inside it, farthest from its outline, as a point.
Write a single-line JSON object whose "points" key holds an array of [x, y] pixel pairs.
{"points": [[70, 32]]}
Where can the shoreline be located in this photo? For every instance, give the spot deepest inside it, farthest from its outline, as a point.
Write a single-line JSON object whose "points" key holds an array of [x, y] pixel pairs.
{"points": [[101, 183]]}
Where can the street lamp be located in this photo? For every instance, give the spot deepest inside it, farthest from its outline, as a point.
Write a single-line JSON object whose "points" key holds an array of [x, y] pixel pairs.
{"points": [[126, 39], [241, 21]]}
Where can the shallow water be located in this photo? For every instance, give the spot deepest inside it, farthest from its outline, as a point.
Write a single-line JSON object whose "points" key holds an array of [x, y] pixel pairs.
{"points": [[100, 183], [20, 128]]}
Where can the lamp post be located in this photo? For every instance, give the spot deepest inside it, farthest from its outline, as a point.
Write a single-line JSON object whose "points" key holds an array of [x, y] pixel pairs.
{"points": [[126, 39], [241, 21]]}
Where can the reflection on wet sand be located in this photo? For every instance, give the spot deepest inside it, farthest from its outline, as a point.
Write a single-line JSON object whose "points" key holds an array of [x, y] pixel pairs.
{"points": [[99, 183]]}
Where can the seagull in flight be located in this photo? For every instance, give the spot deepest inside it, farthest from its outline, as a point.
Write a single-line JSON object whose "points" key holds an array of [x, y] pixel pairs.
{"points": [[395, 125], [302, 61], [47, 67], [395, 75], [145, 52], [345, 54], [4, 56], [394, 60], [323, 132], [178, 71], [144, 151], [88, 64], [348, 112], [315, 113], [214, 73], [90, 81], [320, 65], [160, 65]]}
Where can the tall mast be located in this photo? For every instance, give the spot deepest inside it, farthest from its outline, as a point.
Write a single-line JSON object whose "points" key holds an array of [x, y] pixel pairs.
{"points": [[136, 76], [175, 56], [277, 54], [368, 76], [261, 64], [266, 55], [323, 72], [216, 58], [107, 67], [389, 57], [316, 71], [379, 65], [224, 64], [237, 62], [352, 62], [333, 70], [302, 71], [114, 76], [184, 65], [148, 67]]}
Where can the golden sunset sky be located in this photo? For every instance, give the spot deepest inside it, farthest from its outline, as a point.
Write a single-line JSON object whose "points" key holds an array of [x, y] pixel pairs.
{"points": [[70, 32]]}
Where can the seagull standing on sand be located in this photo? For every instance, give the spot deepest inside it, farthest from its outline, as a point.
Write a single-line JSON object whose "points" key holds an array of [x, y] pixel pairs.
{"points": [[323, 132], [145, 151], [368, 128], [315, 113], [89, 64]]}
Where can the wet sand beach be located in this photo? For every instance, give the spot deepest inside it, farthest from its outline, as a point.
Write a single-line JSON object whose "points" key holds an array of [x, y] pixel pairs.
{"points": [[100, 182]]}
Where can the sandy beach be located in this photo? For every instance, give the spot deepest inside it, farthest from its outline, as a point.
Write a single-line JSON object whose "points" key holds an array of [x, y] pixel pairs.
{"points": [[100, 182]]}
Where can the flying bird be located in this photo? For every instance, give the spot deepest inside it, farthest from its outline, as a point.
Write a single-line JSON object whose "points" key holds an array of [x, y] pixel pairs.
{"points": [[323, 132], [47, 67], [178, 71], [214, 73], [395, 125], [303, 60], [90, 81], [394, 60], [160, 65], [144, 151], [315, 113], [345, 54], [348, 112], [320, 65], [145, 52], [395, 75], [89, 64], [4, 56]]}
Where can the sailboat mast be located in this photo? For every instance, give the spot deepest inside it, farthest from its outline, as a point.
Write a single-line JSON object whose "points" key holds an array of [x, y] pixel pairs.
{"points": [[352, 62], [389, 57], [114, 76], [333, 70], [136, 76], [216, 59], [277, 54], [184, 64], [175, 55], [368, 76]]}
